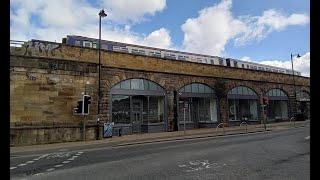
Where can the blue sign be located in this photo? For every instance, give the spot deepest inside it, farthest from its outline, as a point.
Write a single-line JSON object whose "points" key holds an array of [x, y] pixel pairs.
{"points": [[107, 130]]}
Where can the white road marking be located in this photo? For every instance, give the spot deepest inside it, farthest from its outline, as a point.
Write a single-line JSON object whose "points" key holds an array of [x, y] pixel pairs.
{"points": [[12, 168], [59, 165], [80, 152], [65, 162], [22, 164], [38, 174], [51, 169], [70, 159], [198, 165], [307, 138], [30, 162]]}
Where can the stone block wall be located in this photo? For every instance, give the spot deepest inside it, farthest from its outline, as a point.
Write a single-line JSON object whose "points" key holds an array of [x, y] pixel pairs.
{"points": [[46, 83]]}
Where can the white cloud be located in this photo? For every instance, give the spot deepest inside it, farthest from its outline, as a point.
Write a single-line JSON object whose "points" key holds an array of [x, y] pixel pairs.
{"points": [[53, 20], [215, 27], [124, 11], [246, 58], [259, 27], [301, 64], [159, 38]]}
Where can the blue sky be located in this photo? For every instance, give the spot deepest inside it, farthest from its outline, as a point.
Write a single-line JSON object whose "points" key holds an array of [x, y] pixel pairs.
{"points": [[260, 31]]}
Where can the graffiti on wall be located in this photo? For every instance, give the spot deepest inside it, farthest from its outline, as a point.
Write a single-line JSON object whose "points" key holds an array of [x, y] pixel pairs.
{"points": [[40, 48]]}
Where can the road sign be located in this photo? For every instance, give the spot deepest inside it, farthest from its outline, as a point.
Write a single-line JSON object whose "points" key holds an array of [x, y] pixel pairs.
{"points": [[107, 130]]}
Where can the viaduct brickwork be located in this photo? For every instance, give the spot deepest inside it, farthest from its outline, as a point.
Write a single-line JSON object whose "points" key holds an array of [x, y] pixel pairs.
{"points": [[47, 79]]}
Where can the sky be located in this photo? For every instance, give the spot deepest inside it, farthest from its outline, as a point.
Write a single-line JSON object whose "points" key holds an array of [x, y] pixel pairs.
{"points": [[265, 32]]}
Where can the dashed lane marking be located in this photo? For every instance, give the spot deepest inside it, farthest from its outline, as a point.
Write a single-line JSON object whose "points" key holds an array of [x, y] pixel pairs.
{"points": [[22, 164], [51, 169], [59, 165], [307, 138], [65, 162], [12, 168], [30, 162]]}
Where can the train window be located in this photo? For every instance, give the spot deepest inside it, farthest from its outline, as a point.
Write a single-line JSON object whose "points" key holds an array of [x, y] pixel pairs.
{"points": [[212, 61], [228, 62], [77, 43], [181, 57], [242, 65], [255, 67], [235, 63], [94, 45], [87, 44], [221, 62], [247, 66]]}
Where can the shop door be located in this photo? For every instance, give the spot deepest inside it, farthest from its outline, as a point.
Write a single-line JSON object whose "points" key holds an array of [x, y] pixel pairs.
{"points": [[136, 115], [195, 112]]}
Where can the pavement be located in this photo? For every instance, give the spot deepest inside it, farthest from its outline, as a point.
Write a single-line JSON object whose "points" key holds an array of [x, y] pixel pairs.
{"points": [[283, 152], [156, 137]]}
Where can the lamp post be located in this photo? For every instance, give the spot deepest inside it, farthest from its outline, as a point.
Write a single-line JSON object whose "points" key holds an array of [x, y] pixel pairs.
{"points": [[101, 14], [294, 83]]}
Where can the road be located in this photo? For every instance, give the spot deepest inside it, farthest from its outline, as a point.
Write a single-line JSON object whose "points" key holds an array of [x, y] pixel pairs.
{"points": [[282, 154]]}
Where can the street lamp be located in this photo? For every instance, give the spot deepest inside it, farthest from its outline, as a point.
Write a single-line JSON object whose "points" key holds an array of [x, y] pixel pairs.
{"points": [[101, 14], [294, 83]]}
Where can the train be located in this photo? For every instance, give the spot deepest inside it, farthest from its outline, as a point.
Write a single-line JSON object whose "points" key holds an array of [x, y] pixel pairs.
{"points": [[170, 54]]}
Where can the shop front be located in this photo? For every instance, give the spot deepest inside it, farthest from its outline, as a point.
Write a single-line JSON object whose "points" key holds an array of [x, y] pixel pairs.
{"points": [[277, 108], [138, 106], [303, 103], [197, 106], [242, 104]]}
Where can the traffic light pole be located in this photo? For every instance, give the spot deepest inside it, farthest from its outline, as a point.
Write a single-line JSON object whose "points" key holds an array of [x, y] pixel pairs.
{"points": [[84, 127]]}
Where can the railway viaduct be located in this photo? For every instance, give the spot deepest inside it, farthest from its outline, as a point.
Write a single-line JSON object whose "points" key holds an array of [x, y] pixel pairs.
{"points": [[47, 79]]}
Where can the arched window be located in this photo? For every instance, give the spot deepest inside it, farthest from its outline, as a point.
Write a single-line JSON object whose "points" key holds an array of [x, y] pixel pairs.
{"points": [[137, 86], [242, 92], [196, 90], [276, 94]]}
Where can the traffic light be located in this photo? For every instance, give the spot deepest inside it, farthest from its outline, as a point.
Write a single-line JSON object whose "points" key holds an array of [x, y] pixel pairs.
{"points": [[86, 102], [78, 109]]}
